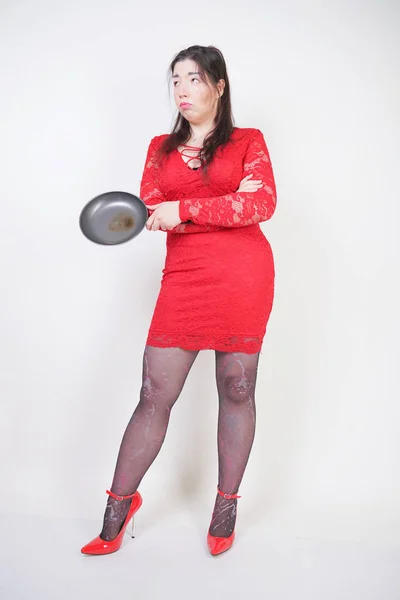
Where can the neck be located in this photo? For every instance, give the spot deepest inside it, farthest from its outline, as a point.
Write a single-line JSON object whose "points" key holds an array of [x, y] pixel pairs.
{"points": [[200, 130]]}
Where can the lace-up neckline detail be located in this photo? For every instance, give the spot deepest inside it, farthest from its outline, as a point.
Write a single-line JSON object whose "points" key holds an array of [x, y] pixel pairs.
{"points": [[192, 153]]}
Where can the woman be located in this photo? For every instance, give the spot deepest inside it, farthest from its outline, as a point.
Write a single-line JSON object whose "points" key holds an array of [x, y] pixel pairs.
{"points": [[208, 185]]}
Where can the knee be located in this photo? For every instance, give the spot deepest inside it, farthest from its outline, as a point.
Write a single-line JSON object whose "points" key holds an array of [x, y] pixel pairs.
{"points": [[158, 391], [237, 389]]}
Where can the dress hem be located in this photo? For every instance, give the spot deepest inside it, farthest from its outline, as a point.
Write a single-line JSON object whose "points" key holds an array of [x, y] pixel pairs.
{"points": [[245, 344]]}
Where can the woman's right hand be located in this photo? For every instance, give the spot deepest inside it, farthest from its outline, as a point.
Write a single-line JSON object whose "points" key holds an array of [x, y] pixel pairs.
{"points": [[250, 186]]}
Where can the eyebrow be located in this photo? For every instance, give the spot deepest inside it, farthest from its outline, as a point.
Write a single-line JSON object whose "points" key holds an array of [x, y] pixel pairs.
{"points": [[190, 73]]}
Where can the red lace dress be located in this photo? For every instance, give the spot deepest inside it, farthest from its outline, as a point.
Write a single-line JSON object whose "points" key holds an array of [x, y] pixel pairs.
{"points": [[217, 285]]}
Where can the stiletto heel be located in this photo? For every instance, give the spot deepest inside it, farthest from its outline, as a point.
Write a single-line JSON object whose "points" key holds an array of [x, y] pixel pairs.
{"points": [[133, 526], [100, 546], [218, 545]]}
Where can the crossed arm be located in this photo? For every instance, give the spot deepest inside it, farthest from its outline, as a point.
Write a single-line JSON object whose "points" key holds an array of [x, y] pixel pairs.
{"points": [[254, 201]]}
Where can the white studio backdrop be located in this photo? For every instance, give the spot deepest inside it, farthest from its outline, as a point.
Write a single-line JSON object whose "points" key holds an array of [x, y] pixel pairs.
{"points": [[84, 89]]}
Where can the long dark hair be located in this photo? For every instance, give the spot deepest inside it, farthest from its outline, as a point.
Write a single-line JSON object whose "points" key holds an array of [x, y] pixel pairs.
{"points": [[210, 62]]}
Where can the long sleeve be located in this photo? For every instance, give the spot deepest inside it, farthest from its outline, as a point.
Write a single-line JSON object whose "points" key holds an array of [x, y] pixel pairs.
{"points": [[241, 208], [150, 191]]}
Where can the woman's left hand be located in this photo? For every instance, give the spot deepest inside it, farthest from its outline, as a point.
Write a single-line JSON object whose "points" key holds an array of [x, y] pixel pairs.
{"points": [[165, 216]]}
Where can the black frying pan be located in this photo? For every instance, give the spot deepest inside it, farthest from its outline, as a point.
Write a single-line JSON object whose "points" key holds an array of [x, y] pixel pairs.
{"points": [[113, 218]]}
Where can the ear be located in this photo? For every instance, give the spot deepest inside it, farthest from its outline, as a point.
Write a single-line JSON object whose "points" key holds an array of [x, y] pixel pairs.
{"points": [[221, 87]]}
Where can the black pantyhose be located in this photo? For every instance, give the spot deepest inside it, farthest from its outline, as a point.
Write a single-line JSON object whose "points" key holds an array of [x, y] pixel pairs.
{"points": [[164, 373]]}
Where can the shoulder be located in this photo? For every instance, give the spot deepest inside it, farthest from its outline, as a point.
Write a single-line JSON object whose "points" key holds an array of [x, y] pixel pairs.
{"points": [[157, 140], [246, 133], [160, 138], [247, 138]]}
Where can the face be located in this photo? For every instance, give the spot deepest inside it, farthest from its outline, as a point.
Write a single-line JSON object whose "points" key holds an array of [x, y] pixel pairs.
{"points": [[195, 98]]}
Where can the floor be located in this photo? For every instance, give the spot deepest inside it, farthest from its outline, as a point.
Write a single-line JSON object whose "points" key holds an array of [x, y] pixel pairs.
{"points": [[40, 559]]}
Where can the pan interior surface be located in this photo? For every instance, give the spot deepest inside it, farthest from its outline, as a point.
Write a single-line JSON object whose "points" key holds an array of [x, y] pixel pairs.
{"points": [[113, 218]]}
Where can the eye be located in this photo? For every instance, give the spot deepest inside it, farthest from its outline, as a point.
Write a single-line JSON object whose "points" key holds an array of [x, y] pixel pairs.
{"points": [[175, 83], [195, 79]]}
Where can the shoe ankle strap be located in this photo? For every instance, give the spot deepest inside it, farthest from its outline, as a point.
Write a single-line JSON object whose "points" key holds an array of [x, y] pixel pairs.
{"points": [[119, 497], [227, 496]]}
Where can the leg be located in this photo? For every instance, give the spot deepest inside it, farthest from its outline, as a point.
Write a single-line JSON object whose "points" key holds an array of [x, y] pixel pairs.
{"points": [[236, 375], [164, 374]]}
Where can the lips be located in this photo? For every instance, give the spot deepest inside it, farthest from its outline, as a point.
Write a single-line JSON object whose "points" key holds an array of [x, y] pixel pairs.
{"points": [[185, 105]]}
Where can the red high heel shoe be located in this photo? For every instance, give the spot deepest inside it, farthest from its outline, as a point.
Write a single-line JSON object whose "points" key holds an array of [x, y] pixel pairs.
{"points": [[100, 546], [218, 545]]}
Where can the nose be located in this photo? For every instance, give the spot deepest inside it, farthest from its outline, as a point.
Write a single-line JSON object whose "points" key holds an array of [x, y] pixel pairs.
{"points": [[182, 91]]}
